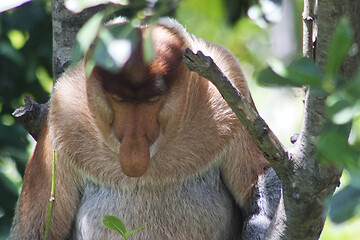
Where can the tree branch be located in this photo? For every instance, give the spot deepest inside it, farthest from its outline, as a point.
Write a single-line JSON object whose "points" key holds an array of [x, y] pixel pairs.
{"points": [[268, 143], [308, 21], [31, 116]]}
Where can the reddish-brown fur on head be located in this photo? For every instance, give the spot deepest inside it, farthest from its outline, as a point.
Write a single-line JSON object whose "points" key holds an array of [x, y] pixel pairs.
{"points": [[131, 94], [138, 80]]}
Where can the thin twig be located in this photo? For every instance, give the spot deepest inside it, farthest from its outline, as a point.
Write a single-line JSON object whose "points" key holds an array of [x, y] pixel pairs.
{"points": [[52, 198]]}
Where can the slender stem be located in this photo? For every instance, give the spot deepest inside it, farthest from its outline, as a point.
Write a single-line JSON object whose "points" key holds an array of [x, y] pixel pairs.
{"points": [[52, 197], [308, 22]]}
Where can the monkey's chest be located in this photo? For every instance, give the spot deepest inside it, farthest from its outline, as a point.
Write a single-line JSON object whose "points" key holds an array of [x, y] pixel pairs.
{"points": [[201, 208]]}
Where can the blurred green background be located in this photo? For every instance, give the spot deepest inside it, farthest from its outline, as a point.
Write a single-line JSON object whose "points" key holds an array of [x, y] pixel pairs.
{"points": [[25, 68]]}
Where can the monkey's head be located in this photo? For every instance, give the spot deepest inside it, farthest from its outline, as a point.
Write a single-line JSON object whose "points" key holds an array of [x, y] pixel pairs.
{"points": [[136, 95]]}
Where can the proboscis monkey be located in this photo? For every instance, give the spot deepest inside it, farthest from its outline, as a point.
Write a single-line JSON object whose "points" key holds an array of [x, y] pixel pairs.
{"points": [[151, 143]]}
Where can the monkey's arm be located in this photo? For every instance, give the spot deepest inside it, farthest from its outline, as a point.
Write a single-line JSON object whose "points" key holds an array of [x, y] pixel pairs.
{"points": [[253, 184], [31, 212], [263, 203]]}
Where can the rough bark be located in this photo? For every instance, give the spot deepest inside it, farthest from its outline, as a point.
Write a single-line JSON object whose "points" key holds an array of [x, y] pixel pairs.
{"points": [[65, 27], [328, 14], [31, 116]]}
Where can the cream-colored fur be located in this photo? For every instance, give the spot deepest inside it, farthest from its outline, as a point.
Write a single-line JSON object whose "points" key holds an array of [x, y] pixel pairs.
{"points": [[203, 164]]}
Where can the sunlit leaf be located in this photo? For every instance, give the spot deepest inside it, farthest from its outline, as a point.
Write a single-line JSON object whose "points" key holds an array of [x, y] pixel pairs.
{"points": [[299, 73], [79, 5], [115, 224], [120, 51], [272, 10], [132, 231], [89, 31], [345, 204], [86, 36], [344, 104], [340, 109], [268, 11], [267, 77], [18, 38], [339, 47], [114, 46], [100, 56], [302, 72], [148, 47], [257, 16], [6, 5]]}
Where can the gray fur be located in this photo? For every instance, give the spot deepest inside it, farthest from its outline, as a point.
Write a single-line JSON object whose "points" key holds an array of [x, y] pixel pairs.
{"points": [[265, 200], [166, 209]]}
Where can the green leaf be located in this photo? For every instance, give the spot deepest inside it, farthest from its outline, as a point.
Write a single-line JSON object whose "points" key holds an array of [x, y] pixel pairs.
{"points": [[148, 47], [266, 12], [344, 104], [333, 146], [115, 224], [114, 46], [345, 204], [342, 109], [86, 36], [257, 16], [354, 176], [342, 39], [132, 231], [299, 73], [89, 31], [267, 77]]}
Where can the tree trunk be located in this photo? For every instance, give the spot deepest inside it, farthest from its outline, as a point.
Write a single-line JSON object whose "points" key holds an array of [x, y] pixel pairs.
{"points": [[65, 27], [301, 214]]}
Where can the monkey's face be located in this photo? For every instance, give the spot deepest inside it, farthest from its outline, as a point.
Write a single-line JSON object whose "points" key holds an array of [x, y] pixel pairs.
{"points": [[136, 127], [136, 94]]}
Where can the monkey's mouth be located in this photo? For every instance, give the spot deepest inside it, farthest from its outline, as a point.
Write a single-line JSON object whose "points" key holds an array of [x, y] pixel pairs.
{"points": [[134, 156]]}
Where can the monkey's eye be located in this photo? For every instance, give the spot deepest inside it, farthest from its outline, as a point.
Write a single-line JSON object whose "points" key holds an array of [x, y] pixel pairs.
{"points": [[153, 99], [118, 99]]}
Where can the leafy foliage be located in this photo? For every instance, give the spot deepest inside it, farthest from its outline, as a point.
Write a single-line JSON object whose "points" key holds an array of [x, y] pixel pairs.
{"points": [[342, 108], [299, 73], [107, 38], [117, 225], [266, 12]]}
